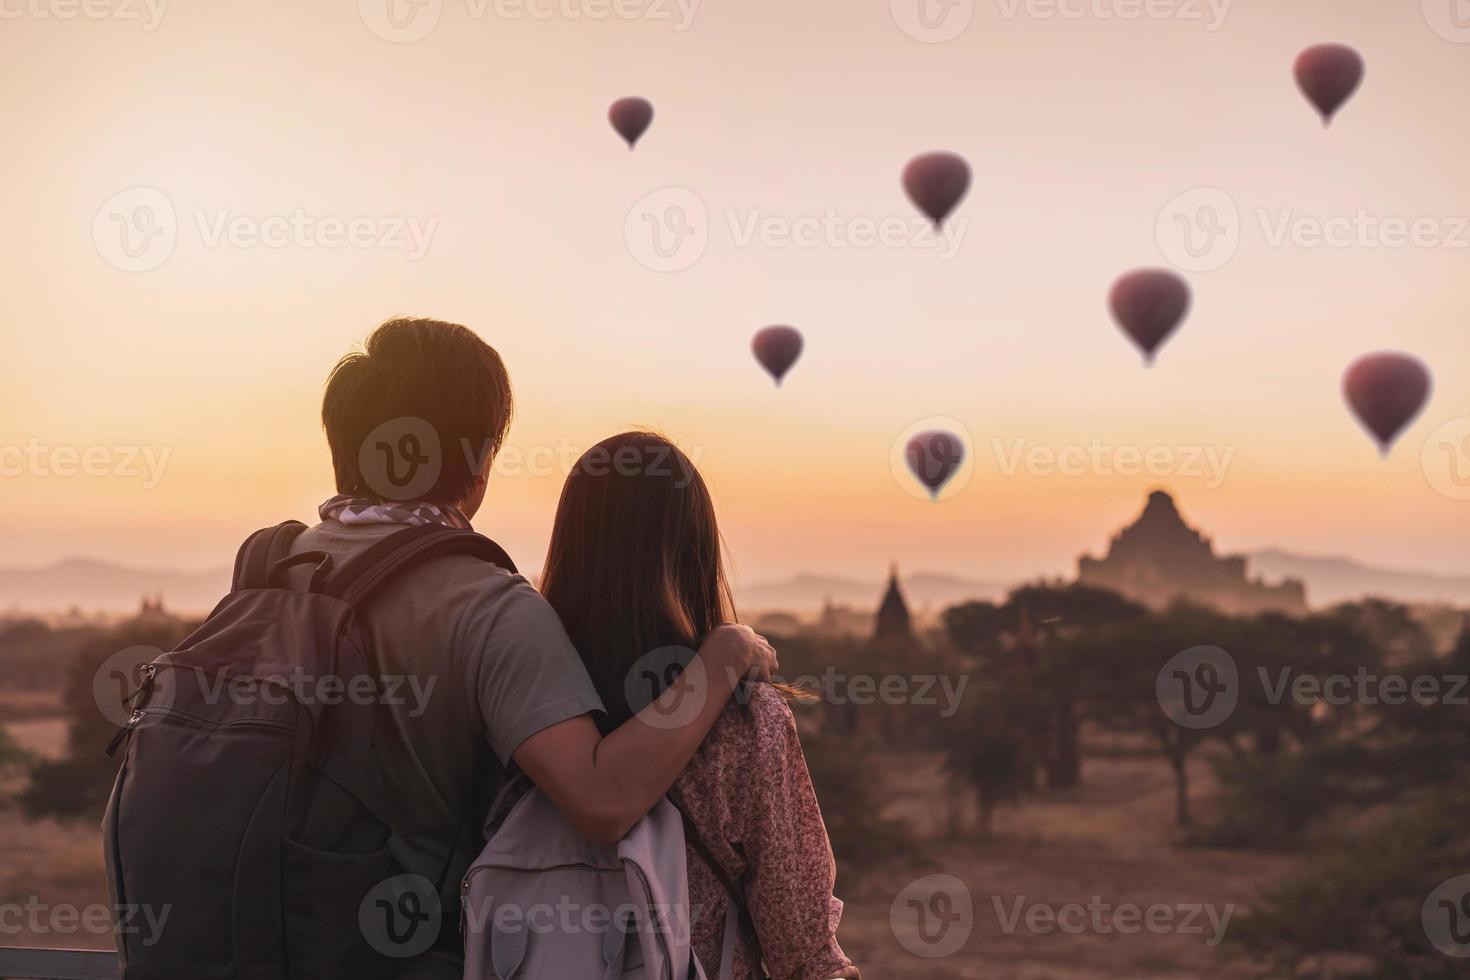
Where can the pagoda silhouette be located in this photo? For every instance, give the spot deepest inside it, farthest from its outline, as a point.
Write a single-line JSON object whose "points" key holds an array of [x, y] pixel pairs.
{"points": [[1159, 559], [893, 621]]}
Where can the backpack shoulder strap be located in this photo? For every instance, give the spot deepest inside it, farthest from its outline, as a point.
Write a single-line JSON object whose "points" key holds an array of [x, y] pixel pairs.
{"points": [[747, 931], [261, 551], [360, 577]]}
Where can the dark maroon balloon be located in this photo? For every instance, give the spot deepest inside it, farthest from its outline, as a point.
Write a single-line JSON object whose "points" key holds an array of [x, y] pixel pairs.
{"points": [[934, 458], [1386, 391], [1149, 304], [777, 348], [1328, 74], [630, 117], [936, 182]]}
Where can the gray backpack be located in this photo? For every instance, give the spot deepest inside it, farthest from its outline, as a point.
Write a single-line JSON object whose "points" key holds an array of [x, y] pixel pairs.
{"points": [[543, 902], [248, 806]]}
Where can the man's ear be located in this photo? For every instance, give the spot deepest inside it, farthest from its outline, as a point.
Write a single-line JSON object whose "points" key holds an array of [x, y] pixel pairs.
{"points": [[476, 496]]}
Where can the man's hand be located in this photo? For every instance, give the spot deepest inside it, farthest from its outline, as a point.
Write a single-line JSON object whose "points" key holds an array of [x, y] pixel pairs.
{"points": [[742, 651]]}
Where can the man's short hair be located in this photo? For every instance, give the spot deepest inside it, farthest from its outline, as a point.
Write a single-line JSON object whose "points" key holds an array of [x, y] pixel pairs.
{"points": [[417, 379]]}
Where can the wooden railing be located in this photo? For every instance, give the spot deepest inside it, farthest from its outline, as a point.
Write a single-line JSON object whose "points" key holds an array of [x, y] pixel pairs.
{"points": [[58, 964]]}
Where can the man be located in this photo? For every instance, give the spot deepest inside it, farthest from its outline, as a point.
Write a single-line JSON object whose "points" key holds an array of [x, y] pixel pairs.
{"points": [[414, 424]]}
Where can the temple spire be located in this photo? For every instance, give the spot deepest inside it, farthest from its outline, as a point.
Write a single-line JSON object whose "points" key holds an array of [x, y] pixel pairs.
{"points": [[894, 621]]}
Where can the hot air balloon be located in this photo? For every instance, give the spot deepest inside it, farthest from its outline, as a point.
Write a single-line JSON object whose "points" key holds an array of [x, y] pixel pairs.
{"points": [[1149, 305], [934, 458], [630, 117], [936, 182], [777, 348], [1386, 391], [1328, 74]]}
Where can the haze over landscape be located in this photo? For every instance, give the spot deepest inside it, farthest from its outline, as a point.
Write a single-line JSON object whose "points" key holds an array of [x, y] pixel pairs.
{"points": [[91, 585]]}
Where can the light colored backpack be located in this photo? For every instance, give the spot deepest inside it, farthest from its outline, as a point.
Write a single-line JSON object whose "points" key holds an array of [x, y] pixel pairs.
{"points": [[543, 903]]}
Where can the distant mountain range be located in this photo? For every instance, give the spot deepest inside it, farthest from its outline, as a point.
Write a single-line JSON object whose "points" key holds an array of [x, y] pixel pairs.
{"points": [[1329, 581], [99, 586], [805, 592], [1333, 580]]}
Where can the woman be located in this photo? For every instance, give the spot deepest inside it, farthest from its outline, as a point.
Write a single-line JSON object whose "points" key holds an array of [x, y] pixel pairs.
{"points": [[634, 569]]}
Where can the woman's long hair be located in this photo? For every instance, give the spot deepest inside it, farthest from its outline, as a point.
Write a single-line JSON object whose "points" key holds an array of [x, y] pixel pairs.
{"points": [[635, 567], [635, 563]]}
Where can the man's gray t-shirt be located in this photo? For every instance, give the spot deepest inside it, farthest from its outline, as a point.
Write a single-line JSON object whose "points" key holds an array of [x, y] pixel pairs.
{"points": [[480, 663]]}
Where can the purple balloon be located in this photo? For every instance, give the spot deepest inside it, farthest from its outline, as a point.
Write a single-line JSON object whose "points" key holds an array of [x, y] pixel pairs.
{"points": [[1328, 74], [934, 458], [777, 348], [631, 117], [936, 182], [1386, 391], [1149, 304]]}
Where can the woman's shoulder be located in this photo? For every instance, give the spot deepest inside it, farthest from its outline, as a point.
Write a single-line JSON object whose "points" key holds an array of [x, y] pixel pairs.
{"points": [[756, 728], [760, 710], [752, 744]]}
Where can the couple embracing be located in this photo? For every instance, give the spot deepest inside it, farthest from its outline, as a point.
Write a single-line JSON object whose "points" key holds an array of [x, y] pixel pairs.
{"points": [[546, 689]]}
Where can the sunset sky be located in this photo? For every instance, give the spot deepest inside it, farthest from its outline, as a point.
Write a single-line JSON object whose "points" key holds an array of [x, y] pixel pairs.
{"points": [[488, 137]]}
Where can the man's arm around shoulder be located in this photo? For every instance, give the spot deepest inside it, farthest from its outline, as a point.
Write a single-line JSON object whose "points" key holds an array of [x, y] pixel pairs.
{"points": [[605, 784]]}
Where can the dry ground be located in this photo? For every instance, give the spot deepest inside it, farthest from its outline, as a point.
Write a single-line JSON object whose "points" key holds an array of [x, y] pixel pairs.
{"points": [[1114, 839], [45, 864]]}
